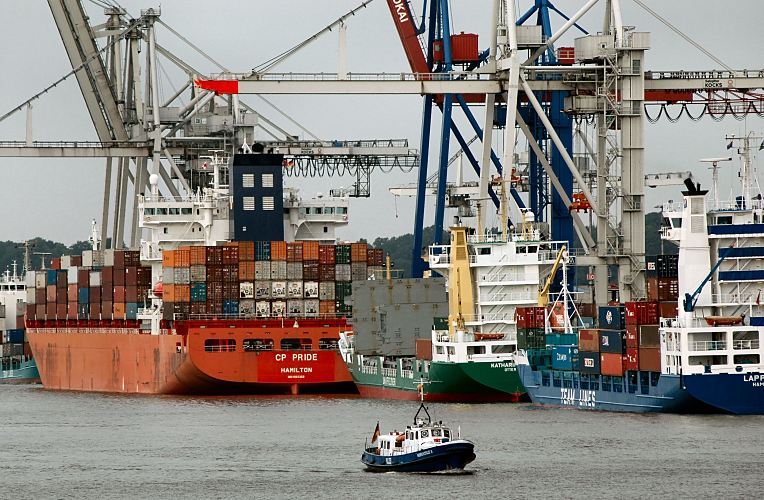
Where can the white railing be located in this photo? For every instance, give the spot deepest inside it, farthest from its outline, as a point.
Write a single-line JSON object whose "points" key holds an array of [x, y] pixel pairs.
{"points": [[510, 296], [673, 206], [369, 369], [745, 344], [708, 345], [733, 298], [407, 373], [735, 205], [389, 372], [333, 77]]}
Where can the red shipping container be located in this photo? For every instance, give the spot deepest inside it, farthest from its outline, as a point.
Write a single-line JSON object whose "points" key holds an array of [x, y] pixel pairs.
{"points": [[464, 48], [95, 310], [76, 260], [20, 320], [231, 253], [119, 294], [650, 359], [641, 313], [310, 271], [83, 278], [294, 252], [667, 309], [214, 273], [424, 349], [119, 277], [107, 293], [611, 364], [632, 336], [61, 297], [40, 311], [631, 360], [326, 254], [50, 310], [107, 275], [589, 340], [131, 293], [61, 311], [376, 257], [326, 272], [71, 310], [214, 255], [652, 289], [119, 259], [668, 289], [143, 276], [50, 294], [566, 56], [55, 263], [199, 308], [107, 309], [214, 307], [131, 276], [71, 293], [94, 296], [40, 295]]}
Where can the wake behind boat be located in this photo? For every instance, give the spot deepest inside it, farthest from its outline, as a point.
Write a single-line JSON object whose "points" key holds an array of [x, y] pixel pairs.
{"points": [[426, 446]]}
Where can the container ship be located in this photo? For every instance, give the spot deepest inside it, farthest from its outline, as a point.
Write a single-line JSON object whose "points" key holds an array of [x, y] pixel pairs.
{"points": [[699, 351], [16, 362], [468, 356], [192, 312]]}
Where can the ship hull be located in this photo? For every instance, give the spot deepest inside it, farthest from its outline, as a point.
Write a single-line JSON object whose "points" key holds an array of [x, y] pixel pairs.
{"points": [[445, 457], [738, 393], [26, 373], [666, 395], [444, 382], [105, 361]]}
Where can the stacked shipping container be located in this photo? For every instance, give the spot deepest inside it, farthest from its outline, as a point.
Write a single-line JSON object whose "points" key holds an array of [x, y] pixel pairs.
{"points": [[662, 276], [98, 285], [530, 335]]}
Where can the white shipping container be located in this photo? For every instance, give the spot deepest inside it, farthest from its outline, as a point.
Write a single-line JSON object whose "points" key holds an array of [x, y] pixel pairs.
{"points": [[198, 273], [31, 296], [311, 308], [294, 289], [311, 289], [71, 276], [342, 272], [279, 270], [262, 309], [295, 308], [262, 289], [278, 308], [182, 275], [40, 278], [326, 290], [66, 261], [246, 290], [108, 258], [168, 276], [278, 289], [294, 270], [95, 278], [262, 270], [246, 308]]}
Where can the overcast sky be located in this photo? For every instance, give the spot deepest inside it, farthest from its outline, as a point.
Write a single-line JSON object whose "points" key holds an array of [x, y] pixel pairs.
{"points": [[56, 198]]}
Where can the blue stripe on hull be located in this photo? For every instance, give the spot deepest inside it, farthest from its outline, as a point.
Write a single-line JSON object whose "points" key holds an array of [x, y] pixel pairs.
{"points": [[666, 396], [739, 393], [439, 458]]}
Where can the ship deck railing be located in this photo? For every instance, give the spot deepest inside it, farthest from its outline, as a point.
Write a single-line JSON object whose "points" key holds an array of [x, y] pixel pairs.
{"points": [[407, 374], [366, 76], [389, 372], [708, 345]]}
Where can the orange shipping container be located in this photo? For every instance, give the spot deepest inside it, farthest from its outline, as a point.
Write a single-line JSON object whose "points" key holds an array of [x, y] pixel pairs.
{"points": [[246, 251], [168, 293], [278, 250], [197, 256], [119, 310], [424, 349], [326, 254], [182, 293], [310, 250], [650, 359], [589, 340], [359, 252], [326, 308], [246, 270], [611, 364], [183, 257]]}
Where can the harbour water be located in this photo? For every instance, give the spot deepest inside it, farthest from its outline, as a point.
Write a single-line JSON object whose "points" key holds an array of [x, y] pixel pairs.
{"points": [[84, 445]]}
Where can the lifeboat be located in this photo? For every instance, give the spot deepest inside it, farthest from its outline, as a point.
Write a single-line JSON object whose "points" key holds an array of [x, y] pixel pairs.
{"points": [[724, 320], [489, 336]]}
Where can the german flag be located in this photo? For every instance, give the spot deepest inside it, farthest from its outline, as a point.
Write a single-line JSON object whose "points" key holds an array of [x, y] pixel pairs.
{"points": [[375, 435]]}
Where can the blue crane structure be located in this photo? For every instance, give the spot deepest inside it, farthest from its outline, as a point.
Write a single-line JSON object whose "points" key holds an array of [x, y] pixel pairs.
{"points": [[434, 33]]}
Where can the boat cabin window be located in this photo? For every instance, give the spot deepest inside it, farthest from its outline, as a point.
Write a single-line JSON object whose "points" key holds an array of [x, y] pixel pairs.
{"points": [[451, 350], [219, 345], [439, 349], [186, 211], [475, 349], [746, 359], [327, 344], [436, 433], [290, 344], [148, 211], [425, 433], [446, 433], [161, 211], [484, 251], [724, 219], [502, 348], [258, 344]]}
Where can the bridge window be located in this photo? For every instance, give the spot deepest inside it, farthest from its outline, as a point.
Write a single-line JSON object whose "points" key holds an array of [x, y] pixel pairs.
{"points": [[258, 344], [746, 359], [327, 344], [475, 349], [502, 348], [186, 211], [290, 344], [248, 203], [248, 180], [161, 211], [342, 210], [148, 211], [267, 180], [219, 345], [726, 219], [268, 203]]}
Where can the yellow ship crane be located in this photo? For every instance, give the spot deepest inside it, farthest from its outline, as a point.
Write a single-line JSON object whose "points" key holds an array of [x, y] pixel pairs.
{"points": [[544, 291]]}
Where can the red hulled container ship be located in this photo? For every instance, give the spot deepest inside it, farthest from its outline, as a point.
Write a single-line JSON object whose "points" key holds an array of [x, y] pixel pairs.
{"points": [[201, 314]]}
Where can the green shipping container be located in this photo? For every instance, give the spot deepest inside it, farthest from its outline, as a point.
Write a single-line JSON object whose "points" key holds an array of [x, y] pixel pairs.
{"points": [[440, 323], [342, 290], [342, 254]]}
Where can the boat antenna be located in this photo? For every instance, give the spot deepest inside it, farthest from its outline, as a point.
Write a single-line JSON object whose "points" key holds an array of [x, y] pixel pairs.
{"points": [[420, 389]]}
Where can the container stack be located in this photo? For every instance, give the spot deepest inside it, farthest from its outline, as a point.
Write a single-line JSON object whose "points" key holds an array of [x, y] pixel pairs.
{"points": [[589, 351], [642, 316], [265, 279], [662, 276], [530, 335], [13, 347], [98, 285], [612, 336]]}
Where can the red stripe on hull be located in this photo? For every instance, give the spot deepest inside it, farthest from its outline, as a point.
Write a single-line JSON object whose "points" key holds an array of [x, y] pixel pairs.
{"points": [[375, 392]]}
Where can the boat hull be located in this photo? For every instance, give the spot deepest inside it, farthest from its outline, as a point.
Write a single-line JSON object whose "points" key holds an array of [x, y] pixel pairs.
{"points": [[444, 457], [667, 395], [105, 361], [26, 373], [737, 393], [444, 382]]}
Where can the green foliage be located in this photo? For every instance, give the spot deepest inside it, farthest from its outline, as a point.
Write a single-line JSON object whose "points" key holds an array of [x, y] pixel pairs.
{"points": [[399, 248], [653, 236], [10, 251]]}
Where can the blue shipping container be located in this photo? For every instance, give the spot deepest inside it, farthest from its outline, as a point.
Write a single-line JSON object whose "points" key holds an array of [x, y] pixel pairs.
{"points": [[564, 357], [589, 362], [198, 292], [131, 310], [50, 277], [231, 307], [561, 339], [83, 295], [612, 318], [263, 250], [13, 336], [612, 341]]}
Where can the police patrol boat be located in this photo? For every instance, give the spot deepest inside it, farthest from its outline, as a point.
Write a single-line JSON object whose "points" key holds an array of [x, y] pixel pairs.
{"points": [[425, 446]]}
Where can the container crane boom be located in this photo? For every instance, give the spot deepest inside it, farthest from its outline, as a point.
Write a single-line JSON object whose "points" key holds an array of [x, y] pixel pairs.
{"points": [[544, 291]]}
